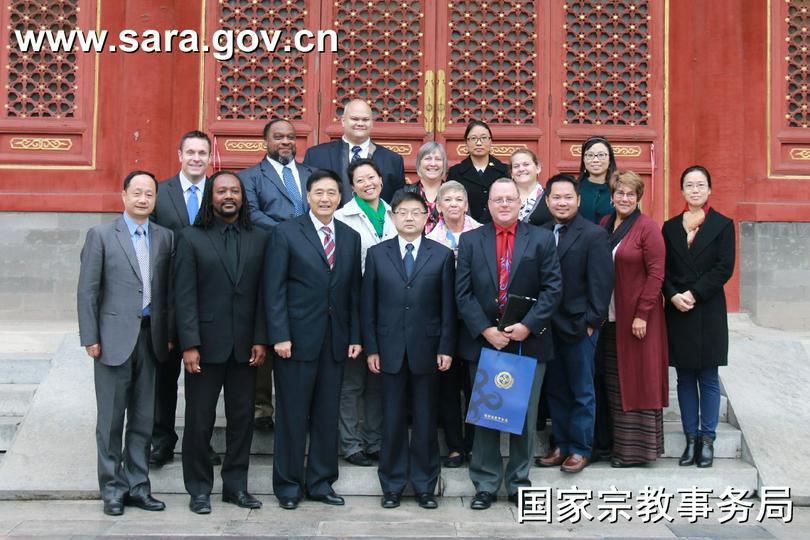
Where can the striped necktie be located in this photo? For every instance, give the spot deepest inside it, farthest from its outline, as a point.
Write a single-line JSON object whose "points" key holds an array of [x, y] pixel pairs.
{"points": [[329, 245]]}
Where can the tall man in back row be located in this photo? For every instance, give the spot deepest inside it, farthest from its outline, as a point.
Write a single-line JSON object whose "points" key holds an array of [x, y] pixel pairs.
{"points": [[356, 144]]}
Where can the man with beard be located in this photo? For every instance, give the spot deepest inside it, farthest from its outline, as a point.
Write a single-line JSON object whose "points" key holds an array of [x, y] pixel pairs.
{"points": [[222, 331], [276, 192]]}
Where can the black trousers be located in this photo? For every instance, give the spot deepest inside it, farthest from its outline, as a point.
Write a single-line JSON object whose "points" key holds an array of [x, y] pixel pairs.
{"points": [[202, 393], [307, 403], [452, 409], [416, 460], [163, 430]]}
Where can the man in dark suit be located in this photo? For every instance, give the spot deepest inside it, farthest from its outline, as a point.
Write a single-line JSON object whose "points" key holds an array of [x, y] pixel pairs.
{"points": [[501, 258], [312, 295], [222, 332], [587, 273], [276, 192], [409, 330], [178, 202], [356, 144], [124, 324]]}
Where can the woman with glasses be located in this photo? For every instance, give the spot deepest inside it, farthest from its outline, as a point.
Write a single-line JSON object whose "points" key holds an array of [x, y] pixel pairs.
{"points": [[477, 172], [633, 343], [526, 169], [700, 260], [431, 169], [596, 167]]}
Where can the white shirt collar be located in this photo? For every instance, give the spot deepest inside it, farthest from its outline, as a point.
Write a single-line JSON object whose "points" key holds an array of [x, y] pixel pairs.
{"points": [[364, 146], [279, 168], [185, 183], [318, 224], [416, 243]]}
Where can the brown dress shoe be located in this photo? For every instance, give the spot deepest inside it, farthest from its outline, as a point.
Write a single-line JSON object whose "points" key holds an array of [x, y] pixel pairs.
{"points": [[575, 463], [553, 459]]}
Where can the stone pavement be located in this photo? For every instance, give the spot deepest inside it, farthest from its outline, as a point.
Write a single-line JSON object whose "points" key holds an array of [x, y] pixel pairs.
{"points": [[361, 517]]}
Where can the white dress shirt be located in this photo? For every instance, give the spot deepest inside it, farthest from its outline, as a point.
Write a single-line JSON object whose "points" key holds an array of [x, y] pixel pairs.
{"points": [[364, 146], [416, 243], [317, 224], [185, 183], [280, 172]]}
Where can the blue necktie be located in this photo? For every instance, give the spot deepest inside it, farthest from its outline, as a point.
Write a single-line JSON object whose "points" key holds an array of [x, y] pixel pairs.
{"points": [[408, 260], [192, 204], [292, 190], [356, 153]]}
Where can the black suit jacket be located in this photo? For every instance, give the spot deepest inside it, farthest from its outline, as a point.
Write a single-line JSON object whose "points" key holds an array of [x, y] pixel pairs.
{"points": [[217, 311], [535, 273], [303, 295], [477, 185], [170, 206], [334, 156], [541, 214], [267, 196], [587, 273], [415, 316]]}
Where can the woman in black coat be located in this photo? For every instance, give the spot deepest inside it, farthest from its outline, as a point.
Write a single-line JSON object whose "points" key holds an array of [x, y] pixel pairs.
{"points": [[700, 248], [477, 172]]}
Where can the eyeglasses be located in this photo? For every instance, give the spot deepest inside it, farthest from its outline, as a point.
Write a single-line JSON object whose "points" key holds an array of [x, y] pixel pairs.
{"points": [[590, 156], [629, 195], [700, 187], [407, 213], [505, 200], [476, 140]]}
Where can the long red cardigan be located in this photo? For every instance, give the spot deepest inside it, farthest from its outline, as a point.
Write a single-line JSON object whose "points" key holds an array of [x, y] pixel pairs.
{"points": [[642, 363]]}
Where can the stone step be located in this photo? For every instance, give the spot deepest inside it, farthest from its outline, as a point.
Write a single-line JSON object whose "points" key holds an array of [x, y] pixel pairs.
{"points": [[8, 429], [23, 368], [664, 473], [16, 398], [727, 445]]}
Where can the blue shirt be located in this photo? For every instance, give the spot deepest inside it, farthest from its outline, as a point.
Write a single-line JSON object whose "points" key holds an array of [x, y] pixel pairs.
{"points": [[132, 226]]}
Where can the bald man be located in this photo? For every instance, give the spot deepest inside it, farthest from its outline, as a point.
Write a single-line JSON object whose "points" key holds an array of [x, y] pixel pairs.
{"points": [[355, 144]]}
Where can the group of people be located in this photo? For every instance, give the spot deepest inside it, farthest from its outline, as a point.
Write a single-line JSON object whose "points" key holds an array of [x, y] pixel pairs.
{"points": [[368, 302]]}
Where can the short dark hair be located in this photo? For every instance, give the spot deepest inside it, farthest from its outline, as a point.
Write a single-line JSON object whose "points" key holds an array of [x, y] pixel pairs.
{"points": [[700, 169], [272, 123], [205, 217], [357, 163], [320, 174], [562, 177], [402, 196], [474, 123], [128, 178], [195, 134]]}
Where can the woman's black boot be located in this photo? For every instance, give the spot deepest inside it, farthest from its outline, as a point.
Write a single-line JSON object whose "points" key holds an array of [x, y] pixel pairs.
{"points": [[688, 456], [705, 456]]}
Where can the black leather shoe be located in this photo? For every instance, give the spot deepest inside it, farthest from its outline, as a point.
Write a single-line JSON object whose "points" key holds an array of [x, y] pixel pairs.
{"points": [[513, 498], [616, 464], [200, 504], [483, 500], [115, 507], [373, 456], [242, 499], [688, 456], [145, 502], [454, 462], [390, 499], [427, 501], [360, 459], [330, 498], [705, 456], [160, 457], [288, 504], [265, 423], [213, 457]]}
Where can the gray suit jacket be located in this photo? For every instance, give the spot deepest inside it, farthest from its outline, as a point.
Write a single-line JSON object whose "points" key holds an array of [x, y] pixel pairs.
{"points": [[110, 291], [267, 197]]}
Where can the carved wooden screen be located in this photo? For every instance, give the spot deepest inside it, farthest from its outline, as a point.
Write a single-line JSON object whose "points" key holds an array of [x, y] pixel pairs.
{"points": [[789, 151], [243, 93], [48, 98]]}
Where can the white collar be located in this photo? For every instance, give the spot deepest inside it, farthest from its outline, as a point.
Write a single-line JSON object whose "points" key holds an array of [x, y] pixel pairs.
{"points": [[318, 224], [364, 146], [185, 183], [416, 243]]}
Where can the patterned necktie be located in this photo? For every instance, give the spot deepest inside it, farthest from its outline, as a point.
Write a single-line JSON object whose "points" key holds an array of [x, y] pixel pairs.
{"points": [[504, 265], [408, 260], [292, 190], [142, 253], [355, 153], [328, 245], [192, 204]]}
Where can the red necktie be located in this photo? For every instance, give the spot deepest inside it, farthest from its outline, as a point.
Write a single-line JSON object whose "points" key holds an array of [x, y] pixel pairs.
{"points": [[329, 246]]}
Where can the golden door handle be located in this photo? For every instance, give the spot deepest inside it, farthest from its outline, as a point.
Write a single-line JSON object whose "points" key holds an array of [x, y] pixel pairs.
{"points": [[441, 102], [429, 107]]}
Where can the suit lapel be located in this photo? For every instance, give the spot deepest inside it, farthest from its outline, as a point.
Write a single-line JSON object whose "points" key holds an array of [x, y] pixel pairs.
{"points": [[425, 251], [303, 175], [244, 247], [570, 236], [396, 258], [707, 232], [679, 245], [309, 232], [122, 234], [521, 241], [270, 173], [153, 247], [490, 252], [178, 201], [215, 236]]}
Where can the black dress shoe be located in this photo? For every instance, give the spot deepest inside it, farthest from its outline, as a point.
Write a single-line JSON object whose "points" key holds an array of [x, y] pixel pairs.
{"points": [[373, 456], [114, 507], [330, 498], [427, 501], [360, 459], [288, 504], [145, 502], [454, 462], [264, 422], [616, 464], [200, 504], [160, 457], [213, 457], [390, 499], [483, 500], [242, 499]]}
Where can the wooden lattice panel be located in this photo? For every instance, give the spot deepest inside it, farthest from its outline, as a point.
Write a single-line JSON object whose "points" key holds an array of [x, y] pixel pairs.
{"points": [[492, 65], [379, 59], [797, 63], [260, 85], [607, 62], [41, 84]]}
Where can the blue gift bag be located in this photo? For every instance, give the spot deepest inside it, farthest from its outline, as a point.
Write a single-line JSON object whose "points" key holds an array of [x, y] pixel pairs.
{"points": [[500, 394]]}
